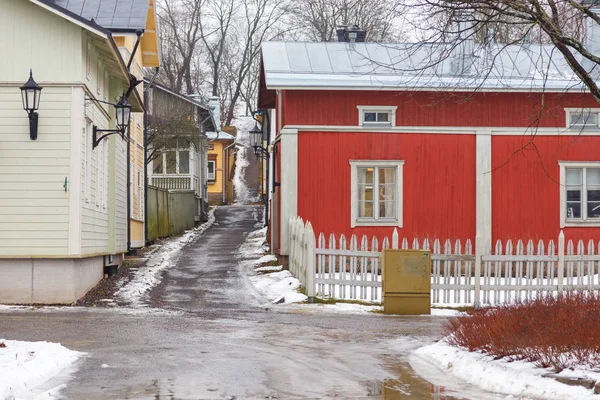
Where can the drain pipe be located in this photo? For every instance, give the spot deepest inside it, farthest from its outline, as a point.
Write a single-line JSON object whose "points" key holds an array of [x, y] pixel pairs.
{"points": [[225, 169]]}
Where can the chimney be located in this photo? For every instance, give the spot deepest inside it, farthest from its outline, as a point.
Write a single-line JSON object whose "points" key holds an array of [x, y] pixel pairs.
{"points": [[215, 106], [351, 34], [463, 46]]}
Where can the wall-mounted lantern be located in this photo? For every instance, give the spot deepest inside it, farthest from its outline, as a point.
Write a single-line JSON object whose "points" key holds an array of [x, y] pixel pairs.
{"points": [[256, 139], [30, 94], [123, 114]]}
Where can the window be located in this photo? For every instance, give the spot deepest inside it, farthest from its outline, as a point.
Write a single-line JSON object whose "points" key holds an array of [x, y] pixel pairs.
{"points": [[157, 164], [376, 116], [376, 193], [211, 170], [171, 162], [580, 193], [184, 161], [583, 118]]}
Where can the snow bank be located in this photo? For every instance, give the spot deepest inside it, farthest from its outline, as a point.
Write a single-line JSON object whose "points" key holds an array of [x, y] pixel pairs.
{"points": [[243, 194], [517, 378], [26, 365], [148, 276]]}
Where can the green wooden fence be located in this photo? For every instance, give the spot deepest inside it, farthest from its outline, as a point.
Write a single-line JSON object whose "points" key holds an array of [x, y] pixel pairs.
{"points": [[169, 212]]}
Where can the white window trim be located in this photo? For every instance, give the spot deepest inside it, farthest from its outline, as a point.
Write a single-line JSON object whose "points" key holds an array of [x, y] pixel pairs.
{"points": [[570, 111], [384, 109], [564, 221], [214, 174], [354, 164]]}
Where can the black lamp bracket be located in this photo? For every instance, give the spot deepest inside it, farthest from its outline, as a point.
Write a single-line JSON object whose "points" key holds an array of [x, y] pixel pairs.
{"points": [[107, 132], [33, 125]]}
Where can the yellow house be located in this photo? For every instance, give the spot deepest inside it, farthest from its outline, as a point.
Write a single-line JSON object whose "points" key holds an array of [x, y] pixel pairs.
{"points": [[134, 33], [221, 148]]}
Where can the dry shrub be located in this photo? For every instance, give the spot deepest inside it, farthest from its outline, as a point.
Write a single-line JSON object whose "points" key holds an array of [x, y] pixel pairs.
{"points": [[556, 332]]}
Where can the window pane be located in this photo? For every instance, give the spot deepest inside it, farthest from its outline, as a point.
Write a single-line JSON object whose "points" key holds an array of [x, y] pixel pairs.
{"points": [[584, 118], [184, 162], [592, 176], [365, 175], [383, 117], [387, 175], [158, 164], [573, 194], [365, 209], [593, 208], [573, 210], [574, 176], [370, 117], [387, 209], [171, 162]]}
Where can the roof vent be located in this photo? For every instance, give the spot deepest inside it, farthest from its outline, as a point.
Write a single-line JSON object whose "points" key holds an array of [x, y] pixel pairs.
{"points": [[350, 34]]}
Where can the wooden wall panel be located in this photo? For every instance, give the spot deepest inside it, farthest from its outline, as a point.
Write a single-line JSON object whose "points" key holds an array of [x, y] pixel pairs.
{"points": [[439, 181], [526, 188], [333, 107]]}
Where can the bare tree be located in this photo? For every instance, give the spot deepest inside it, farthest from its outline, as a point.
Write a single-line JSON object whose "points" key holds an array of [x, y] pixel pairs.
{"points": [[180, 36], [568, 25], [318, 19]]}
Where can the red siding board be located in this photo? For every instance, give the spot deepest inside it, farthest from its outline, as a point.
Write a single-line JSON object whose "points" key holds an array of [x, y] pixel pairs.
{"points": [[333, 107], [438, 190], [526, 189]]}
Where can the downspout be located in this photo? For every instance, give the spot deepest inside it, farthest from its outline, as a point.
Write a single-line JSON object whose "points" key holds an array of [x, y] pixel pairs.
{"points": [[145, 144], [224, 169], [268, 159]]}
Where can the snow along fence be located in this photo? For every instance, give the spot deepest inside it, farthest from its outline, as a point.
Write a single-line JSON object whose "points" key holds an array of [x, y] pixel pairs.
{"points": [[460, 275]]}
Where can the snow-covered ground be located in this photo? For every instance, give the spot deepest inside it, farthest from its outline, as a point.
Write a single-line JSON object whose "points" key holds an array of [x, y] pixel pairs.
{"points": [[243, 194], [517, 379], [272, 282], [135, 291], [25, 366]]}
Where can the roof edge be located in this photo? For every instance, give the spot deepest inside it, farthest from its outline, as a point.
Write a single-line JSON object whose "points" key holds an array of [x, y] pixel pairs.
{"points": [[90, 25]]}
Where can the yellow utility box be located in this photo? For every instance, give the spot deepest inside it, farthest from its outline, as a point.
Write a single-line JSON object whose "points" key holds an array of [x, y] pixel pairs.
{"points": [[406, 281]]}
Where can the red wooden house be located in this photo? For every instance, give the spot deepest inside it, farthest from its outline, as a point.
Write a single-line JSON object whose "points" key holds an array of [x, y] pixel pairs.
{"points": [[370, 137]]}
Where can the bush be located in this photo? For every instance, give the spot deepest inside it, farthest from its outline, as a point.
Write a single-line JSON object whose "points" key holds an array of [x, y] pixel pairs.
{"points": [[556, 332]]}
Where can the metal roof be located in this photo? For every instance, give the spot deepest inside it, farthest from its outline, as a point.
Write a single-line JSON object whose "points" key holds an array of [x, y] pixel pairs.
{"points": [[415, 66], [220, 136], [119, 15]]}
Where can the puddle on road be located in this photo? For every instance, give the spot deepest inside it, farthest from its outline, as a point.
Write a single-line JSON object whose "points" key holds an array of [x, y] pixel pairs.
{"points": [[408, 385]]}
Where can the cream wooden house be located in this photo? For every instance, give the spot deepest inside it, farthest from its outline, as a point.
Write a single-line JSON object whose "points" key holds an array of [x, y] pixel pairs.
{"points": [[63, 204]]}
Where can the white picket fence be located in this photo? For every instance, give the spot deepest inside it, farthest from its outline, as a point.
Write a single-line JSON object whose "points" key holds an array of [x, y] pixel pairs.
{"points": [[343, 269]]}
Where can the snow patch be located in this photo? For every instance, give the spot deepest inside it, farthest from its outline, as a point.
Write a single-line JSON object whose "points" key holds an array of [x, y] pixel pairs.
{"points": [[135, 291], [265, 259], [516, 378], [243, 195], [24, 366]]}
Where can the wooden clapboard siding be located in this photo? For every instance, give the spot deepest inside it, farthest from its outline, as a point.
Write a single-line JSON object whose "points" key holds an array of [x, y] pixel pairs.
{"points": [[120, 195], [526, 188], [336, 107], [438, 177], [34, 207], [31, 37]]}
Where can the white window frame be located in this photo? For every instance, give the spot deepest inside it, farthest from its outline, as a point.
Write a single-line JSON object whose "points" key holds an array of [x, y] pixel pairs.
{"points": [[391, 110], [214, 174], [583, 221], [354, 219], [569, 114], [88, 62]]}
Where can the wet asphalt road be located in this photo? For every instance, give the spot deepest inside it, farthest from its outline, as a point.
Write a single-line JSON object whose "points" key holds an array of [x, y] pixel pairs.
{"points": [[206, 334]]}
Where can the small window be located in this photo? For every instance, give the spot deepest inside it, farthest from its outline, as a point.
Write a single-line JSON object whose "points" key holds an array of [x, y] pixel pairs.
{"points": [[583, 119], [580, 198], [88, 62], [376, 193], [184, 161], [376, 116], [211, 171]]}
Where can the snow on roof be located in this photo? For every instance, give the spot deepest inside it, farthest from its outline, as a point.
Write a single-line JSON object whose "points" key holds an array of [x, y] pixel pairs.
{"points": [[220, 136], [301, 65]]}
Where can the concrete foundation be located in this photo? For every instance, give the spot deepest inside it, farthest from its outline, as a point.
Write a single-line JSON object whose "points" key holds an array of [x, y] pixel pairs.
{"points": [[48, 280]]}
